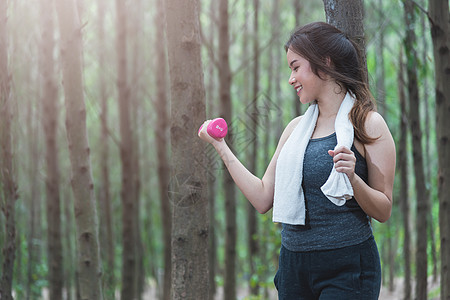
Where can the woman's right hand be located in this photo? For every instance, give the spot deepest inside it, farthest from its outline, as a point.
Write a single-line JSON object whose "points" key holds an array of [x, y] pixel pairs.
{"points": [[203, 134]]}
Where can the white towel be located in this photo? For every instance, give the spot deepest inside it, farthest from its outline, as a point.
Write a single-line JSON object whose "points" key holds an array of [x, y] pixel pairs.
{"points": [[289, 200]]}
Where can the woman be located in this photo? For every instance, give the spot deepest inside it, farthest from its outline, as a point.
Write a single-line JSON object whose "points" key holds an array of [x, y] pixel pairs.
{"points": [[332, 254]]}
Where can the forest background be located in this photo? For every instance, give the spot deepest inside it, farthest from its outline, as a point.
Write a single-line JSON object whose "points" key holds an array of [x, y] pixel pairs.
{"points": [[91, 136]]}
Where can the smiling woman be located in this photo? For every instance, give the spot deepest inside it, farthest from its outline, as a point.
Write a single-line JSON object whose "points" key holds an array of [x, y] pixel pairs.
{"points": [[325, 66], [328, 52], [322, 235]]}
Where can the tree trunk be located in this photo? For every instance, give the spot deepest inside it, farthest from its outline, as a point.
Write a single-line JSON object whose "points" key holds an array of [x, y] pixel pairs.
{"points": [[348, 16], [246, 49], [428, 158], [440, 33], [275, 96], [88, 263], [404, 186], [161, 132], [70, 274], [134, 31], [212, 182], [188, 188], [297, 104], [428, 153], [7, 173], [34, 202], [212, 234], [50, 119], [106, 221], [390, 255], [416, 133], [127, 193], [228, 183], [380, 70], [252, 227]]}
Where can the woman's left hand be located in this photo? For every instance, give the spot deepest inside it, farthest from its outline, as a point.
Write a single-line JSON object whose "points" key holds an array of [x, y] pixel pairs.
{"points": [[344, 161]]}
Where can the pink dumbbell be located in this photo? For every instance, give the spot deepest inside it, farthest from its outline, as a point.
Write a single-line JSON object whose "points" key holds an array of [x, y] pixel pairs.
{"points": [[217, 128]]}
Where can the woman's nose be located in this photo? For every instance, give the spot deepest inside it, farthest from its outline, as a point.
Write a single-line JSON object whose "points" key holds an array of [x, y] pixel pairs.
{"points": [[292, 80]]}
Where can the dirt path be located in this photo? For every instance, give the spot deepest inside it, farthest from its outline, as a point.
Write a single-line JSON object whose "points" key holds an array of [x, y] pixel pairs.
{"points": [[385, 294]]}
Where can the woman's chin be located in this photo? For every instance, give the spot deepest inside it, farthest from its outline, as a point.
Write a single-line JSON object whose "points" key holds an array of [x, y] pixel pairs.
{"points": [[304, 100]]}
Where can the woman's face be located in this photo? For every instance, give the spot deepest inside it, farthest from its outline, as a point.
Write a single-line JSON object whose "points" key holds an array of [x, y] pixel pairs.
{"points": [[307, 84]]}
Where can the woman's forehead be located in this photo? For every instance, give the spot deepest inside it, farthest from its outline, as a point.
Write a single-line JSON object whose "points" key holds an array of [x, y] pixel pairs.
{"points": [[293, 56]]}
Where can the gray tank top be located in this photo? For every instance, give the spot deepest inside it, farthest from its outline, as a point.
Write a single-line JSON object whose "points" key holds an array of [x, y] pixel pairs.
{"points": [[328, 226]]}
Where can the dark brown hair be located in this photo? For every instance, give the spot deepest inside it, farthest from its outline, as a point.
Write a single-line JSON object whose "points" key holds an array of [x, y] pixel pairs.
{"points": [[329, 51]]}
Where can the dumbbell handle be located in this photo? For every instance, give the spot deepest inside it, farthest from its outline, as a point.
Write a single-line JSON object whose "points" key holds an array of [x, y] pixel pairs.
{"points": [[217, 128]]}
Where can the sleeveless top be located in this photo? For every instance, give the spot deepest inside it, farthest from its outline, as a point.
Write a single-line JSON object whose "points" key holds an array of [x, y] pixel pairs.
{"points": [[327, 226]]}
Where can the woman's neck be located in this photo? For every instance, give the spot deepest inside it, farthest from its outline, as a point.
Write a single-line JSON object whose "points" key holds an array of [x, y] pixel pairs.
{"points": [[330, 100]]}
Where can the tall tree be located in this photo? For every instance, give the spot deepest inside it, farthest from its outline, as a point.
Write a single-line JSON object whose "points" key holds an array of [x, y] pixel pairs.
{"points": [[380, 69], [212, 182], [348, 16], [88, 261], [105, 215], [127, 193], [161, 132], [188, 177], [34, 203], [440, 33], [228, 183], [428, 155], [422, 193], [69, 258], [297, 104], [8, 194], [404, 184], [272, 134], [252, 226], [275, 93], [134, 32], [246, 33], [428, 158], [50, 119]]}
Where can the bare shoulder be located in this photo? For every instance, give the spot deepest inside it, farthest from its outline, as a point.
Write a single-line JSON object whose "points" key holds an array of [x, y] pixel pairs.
{"points": [[293, 123], [376, 126], [288, 130], [290, 127], [380, 155]]}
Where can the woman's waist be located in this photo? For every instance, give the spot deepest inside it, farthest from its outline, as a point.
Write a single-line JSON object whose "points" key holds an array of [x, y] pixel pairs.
{"points": [[313, 236]]}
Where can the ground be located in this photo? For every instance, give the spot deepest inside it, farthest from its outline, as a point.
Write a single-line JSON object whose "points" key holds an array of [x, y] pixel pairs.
{"points": [[385, 294]]}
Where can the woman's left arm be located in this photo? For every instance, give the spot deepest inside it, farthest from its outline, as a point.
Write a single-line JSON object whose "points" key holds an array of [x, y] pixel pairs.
{"points": [[374, 197]]}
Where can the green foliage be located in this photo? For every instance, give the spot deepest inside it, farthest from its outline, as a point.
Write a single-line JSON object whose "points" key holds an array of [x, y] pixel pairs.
{"points": [[434, 293], [38, 272]]}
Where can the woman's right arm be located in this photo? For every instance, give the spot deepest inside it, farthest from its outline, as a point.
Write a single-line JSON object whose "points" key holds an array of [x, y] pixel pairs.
{"points": [[258, 191]]}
